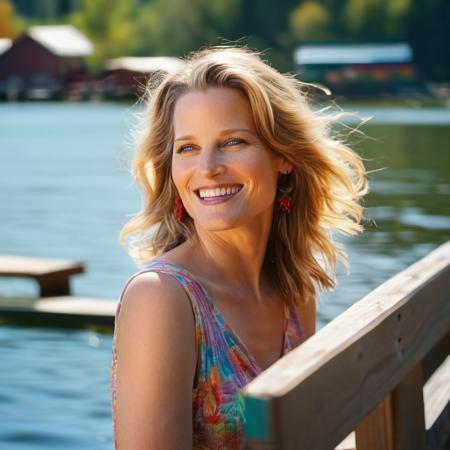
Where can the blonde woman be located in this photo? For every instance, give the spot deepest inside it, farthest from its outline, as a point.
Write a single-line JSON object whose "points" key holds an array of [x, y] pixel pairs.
{"points": [[243, 188]]}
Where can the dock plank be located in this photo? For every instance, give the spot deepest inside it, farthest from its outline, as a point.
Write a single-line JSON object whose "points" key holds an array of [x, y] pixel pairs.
{"points": [[25, 266], [59, 310], [52, 275]]}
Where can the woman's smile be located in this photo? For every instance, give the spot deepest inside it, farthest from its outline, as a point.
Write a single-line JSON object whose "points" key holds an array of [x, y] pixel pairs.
{"points": [[212, 195]]}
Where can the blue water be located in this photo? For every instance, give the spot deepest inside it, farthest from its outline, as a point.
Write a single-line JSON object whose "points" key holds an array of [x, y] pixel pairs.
{"points": [[65, 192]]}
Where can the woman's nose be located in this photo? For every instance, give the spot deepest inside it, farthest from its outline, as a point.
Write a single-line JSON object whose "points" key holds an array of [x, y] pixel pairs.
{"points": [[211, 161]]}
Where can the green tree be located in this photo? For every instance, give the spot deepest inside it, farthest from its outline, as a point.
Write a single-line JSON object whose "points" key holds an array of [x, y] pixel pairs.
{"points": [[375, 19], [428, 30], [110, 26], [8, 23], [310, 21], [178, 27]]}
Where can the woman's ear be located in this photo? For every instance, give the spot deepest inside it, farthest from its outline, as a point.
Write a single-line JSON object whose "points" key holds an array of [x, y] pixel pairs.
{"points": [[286, 166]]}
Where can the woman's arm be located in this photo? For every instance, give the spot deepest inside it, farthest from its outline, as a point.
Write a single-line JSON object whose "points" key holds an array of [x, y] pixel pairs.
{"points": [[156, 361]]}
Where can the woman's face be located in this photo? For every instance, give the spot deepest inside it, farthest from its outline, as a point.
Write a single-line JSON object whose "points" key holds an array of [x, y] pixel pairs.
{"points": [[224, 174]]}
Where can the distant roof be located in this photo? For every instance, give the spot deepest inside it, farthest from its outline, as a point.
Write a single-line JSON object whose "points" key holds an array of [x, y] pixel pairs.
{"points": [[353, 53], [5, 44], [148, 64], [62, 40]]}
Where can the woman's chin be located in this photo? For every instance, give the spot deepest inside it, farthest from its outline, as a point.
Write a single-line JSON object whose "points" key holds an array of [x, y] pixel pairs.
{"points": [[216, 223]]}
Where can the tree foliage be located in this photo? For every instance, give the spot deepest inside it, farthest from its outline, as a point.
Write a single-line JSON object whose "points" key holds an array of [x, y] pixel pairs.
{"points": [[171, 28], [109, 25], [176, 27], [310, 21], [9, 27]]}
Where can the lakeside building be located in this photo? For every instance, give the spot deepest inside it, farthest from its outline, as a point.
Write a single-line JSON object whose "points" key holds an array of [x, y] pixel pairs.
{"points": [[128, 76], [5, 43], [44, 62], [360, 68]]}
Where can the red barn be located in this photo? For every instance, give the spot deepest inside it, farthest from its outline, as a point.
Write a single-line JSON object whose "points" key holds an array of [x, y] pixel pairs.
{"points": [[43, 62]]}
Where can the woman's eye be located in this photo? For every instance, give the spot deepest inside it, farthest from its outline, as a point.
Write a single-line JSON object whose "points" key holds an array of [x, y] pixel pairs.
{"points": [[185, 148], [232, 142]]}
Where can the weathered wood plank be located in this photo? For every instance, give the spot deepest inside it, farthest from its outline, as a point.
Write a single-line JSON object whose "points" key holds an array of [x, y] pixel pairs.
{"points": [[340, 374], [436, 394], [35, 267], [408, 412], [376, 430], [51, 274], [58, 310]]}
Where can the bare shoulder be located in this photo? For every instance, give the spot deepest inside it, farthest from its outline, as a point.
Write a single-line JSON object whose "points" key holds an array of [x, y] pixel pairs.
{"points": [[151, 297], [156, 312], [156, 360], [153, 290], [307, 314]]}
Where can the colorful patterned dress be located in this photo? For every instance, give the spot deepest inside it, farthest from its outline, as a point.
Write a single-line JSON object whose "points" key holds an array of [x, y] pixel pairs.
{"points": [[225, 366]]}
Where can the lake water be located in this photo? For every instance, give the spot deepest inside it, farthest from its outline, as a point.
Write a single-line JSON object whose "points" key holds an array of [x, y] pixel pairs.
{"points": [[65, 192]]}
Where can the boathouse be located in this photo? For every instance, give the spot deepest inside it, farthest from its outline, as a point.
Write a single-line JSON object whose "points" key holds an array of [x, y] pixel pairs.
{"points": [[125, 77], [5, 43], [44, 62], [360, 68]]}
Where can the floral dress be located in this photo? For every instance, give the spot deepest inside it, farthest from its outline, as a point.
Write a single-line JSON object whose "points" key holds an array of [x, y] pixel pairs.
{"points": [[224, 367]]}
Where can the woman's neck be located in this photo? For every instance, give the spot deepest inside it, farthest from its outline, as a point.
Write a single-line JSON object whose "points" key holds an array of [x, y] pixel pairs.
{"points": [[232, 258]]}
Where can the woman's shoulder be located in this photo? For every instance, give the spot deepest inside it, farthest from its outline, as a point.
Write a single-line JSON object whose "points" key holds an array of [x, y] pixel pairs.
{"points": [[153, 290], [154, 309]]}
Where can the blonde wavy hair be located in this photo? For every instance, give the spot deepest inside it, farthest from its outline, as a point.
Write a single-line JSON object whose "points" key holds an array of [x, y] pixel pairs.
{"points": [[329, 178]]}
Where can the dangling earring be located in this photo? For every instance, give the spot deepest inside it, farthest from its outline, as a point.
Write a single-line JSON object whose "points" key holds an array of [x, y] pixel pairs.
{"points": [[285, 188], [180, 210]]}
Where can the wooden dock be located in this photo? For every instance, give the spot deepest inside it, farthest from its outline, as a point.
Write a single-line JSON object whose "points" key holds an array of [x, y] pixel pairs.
{"points": [[381, 370], [58, 311], [54, 306], [52, 275]]}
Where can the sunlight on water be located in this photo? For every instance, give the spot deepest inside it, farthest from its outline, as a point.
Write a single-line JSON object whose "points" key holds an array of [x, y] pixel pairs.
{"points": [[65, 192]]}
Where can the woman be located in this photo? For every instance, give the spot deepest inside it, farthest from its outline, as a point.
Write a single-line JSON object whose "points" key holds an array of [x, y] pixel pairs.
{"points": [[243, 187]]}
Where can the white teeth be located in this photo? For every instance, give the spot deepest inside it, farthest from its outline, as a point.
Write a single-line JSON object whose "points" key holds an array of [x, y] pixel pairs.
{"points": [[217, 192]]}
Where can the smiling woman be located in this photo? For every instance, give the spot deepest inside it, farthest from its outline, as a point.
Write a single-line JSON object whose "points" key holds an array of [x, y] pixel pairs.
{"points": [[243, 188], [223, 152]]}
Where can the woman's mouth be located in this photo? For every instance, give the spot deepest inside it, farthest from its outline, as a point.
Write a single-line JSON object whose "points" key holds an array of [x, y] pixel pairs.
{"points": [[220, 194]]}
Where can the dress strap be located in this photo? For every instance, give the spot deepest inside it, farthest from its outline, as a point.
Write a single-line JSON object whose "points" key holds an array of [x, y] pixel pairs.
{"points": [[295, 333]]}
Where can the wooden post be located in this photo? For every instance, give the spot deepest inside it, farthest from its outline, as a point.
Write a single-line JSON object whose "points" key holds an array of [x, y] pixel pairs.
{"points": [[409, 412], [54, 285], [376, 430], [398, 422]]}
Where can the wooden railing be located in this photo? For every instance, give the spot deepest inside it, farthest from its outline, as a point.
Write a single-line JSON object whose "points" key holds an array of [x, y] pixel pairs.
{"points": [[380, 369]]}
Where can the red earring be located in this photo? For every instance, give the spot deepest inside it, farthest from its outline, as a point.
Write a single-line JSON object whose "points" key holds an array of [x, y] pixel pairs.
{"points": [[180, 211], [285, 188]]}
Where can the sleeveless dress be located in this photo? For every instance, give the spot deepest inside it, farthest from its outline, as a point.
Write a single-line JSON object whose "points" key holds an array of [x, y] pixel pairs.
{"points": [[224, 366]]}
